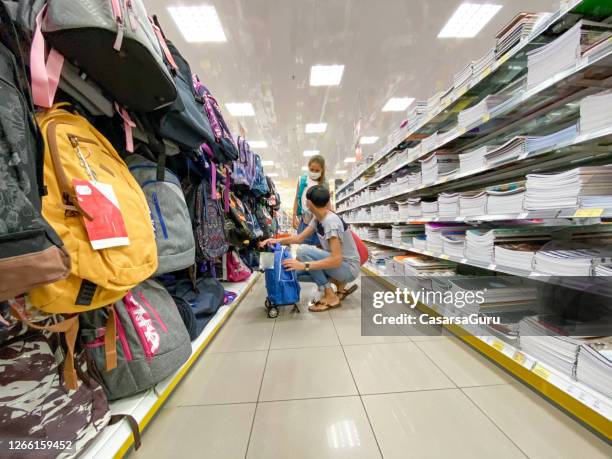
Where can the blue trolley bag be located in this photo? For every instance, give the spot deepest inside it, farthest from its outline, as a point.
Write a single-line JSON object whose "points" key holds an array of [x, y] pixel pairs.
{"points": [[282, 285]]}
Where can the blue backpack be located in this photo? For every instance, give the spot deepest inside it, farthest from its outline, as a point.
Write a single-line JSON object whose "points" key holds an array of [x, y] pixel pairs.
{"points": [[282, 285], [243, 170], [260, 184]]}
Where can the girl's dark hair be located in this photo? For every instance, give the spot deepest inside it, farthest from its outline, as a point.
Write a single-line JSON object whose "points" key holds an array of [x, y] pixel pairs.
{"points": [[320, 160]]}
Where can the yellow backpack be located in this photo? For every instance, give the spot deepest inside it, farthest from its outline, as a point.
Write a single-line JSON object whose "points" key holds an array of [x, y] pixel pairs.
{"points": [[75, 149]]}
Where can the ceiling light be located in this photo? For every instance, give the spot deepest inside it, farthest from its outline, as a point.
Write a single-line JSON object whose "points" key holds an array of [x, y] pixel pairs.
{"points": [[350, 159], [397, 104], [198, 23], [368, 140], [272, 174], [309, 153], [341, 171], [304, 168], [267, 163], [258, 144], [468, 20], [240, 109], [326, 75], [315, 128]]}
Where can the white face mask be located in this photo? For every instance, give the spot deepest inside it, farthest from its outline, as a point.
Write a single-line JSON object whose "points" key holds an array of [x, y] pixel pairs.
{"points": [[314, 175]]}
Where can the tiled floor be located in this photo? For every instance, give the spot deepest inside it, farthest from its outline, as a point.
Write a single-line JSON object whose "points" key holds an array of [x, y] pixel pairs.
{"points": [[310, 386]]}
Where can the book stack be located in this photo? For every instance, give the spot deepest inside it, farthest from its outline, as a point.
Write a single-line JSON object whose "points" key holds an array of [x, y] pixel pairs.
{"points": [[415, 113], [403, 207], [462, 79], [433, 103], [480, 243], [571, 258], [476, 113], [596, 112], [403, 234], [603, 269], [475, 159], [379, 256], [580, 187], [512, 149], [517, 255], [385, 235], [473, 203], [564, 52], [420, 265], [505, 199], [434, 232], [499, 293], [420, 242], [594, 366], [453, 243], [448, 205], [429, 143], [394, 213], [429, 209], [436, 164], [544, 142], [485, 62], [516, 30], [414, 180]]}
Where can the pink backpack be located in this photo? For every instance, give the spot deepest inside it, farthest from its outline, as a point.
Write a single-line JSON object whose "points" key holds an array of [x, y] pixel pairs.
{"points": [[237, 271]]}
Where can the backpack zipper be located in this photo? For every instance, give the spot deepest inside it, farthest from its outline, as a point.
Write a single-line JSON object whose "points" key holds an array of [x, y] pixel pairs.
{"points": [[153, 311], [143, 324], [162, 223]]}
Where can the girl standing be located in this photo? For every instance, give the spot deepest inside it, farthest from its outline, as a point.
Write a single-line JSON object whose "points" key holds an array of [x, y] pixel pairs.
{"points": [[301, 215]]}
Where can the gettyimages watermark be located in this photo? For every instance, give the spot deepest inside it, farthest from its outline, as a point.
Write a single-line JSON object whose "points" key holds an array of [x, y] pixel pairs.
{"points": [[506, 306]]}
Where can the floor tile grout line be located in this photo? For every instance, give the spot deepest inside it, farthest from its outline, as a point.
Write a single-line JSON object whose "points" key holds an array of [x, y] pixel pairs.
{"points": [[436, 365], [479, 408], [358, 391], [263, 375]]}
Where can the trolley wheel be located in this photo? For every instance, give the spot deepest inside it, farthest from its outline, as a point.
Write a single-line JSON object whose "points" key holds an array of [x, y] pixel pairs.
{"points": [[273, 312]]}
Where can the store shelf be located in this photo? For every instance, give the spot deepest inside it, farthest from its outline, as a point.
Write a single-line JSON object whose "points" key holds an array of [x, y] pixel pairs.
{"points": [[116, 440], [478, 90], [587, 405]]}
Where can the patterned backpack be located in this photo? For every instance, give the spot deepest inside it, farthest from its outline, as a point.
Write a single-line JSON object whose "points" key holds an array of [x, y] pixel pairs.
{"points": [[207, 220], [243, 173], [260, 184], [228, 151]]}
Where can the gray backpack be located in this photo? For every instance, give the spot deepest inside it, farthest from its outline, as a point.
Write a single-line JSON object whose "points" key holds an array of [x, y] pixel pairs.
{"points": [[171, 221], [152, 341]]}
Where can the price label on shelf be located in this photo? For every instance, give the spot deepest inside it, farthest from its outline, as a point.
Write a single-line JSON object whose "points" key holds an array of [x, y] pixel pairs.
{"points": [[503, 59], [486, 117], [485, 73], [522, 215], [492, 266], [588, 212], [444, 256], [461, 131], [497, 344], [519, 358], [428, 252], [541, 371]]}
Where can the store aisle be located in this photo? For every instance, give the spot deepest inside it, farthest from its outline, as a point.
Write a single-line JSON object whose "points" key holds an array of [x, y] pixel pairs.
{"points": [[310, 386]]}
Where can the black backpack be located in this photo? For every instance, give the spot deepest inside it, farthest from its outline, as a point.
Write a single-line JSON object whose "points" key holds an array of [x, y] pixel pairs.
{"points": [[31, 253]]}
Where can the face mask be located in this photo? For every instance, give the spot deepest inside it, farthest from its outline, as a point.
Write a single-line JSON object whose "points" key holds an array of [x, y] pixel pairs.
{"points": [[314, 175]]}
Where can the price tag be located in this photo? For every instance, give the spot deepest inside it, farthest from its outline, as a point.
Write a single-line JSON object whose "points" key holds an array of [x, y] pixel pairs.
{"points": [[485, 73], [492, 266], [443, 180], [588, 212], [444, 256], [541, 371], [427, 252], [522, 215], [498, 345], [503, 59], [486, 117], [461, 131], [464, 260], [519, 357]]}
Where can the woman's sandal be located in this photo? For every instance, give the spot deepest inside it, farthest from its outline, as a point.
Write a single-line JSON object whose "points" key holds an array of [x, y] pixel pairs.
{"points": [[321, 306], [342, 294]]}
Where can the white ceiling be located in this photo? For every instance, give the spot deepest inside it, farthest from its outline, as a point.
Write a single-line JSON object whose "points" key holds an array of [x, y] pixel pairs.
{"points": [[389, 48]]}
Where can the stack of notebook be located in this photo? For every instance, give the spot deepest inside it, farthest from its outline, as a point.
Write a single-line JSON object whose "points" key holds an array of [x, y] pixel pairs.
{"points": [[594, 366], [414, 180], [403, 234], [394, 213], [433, 103], [476, 113], [420, 242], [571, 258], [429, 143], [505, 199], [453, 243], [480, 243], [579, 187], [437, 164], [473, 203], [414, 208], [448, 205], [499, 293], [378, 256], [603, 269], [516, 30], [596, 112], [385, 235], [544, 142], [434, 232], [485, 62], [462, 79], [517, 255], [512, 149], [429, 209], [422, 265], [474, 159], [415, 113], [564, 52]]}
